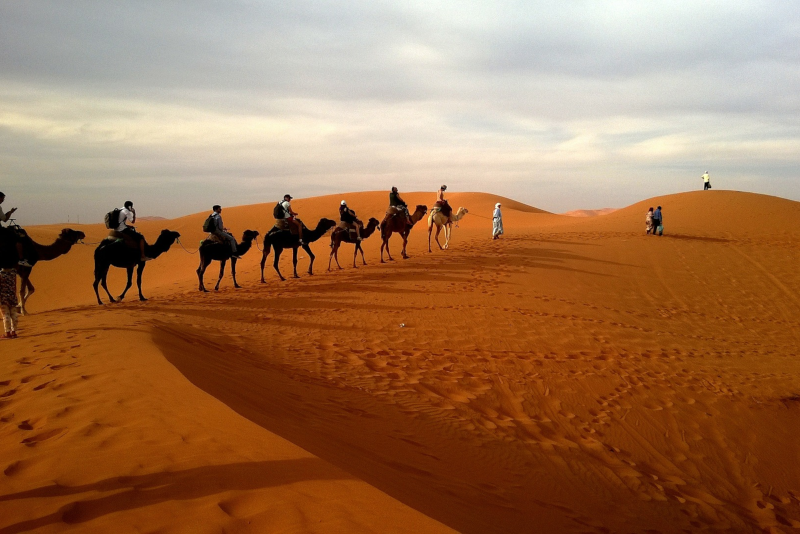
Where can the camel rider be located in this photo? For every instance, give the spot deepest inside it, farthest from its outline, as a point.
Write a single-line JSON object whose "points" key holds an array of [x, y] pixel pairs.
{"points": [[441, 202], [218, 229], [348, 216], [399, 204], [290, 216], [128, 214], [4, 218]]}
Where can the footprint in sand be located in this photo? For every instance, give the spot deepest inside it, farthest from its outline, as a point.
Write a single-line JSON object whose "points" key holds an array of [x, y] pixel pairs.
{"points": [[49, 434]]}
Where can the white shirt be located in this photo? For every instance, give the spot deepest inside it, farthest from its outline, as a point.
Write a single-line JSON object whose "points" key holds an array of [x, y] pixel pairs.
{"points": [[125, 215], [286, 208]]}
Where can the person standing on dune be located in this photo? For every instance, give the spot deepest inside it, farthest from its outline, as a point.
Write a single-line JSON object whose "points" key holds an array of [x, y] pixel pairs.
{"points": [[658, 223], [497, 222], [706, 182], [8, 302], [648, 221]]}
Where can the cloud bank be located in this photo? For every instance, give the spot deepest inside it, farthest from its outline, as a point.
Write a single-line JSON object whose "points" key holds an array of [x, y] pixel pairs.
{"points": [[179, 106]]}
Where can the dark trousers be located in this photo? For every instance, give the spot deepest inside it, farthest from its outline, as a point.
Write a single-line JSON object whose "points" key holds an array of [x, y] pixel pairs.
{"points": [[706, 185]]}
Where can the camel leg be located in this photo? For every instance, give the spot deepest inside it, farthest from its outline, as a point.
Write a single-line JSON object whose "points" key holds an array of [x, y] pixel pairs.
{"points": [[447, 229], [221, 272], [233, 273], [311, 263], [294, 261], [362, 254], [405, 242], [264, 259], [438, 230], [334, 250], [385, 244], [139, 271], [129, 284], [26, 290], [101, 276], [430, 229], [278, 252], [201, 271]]}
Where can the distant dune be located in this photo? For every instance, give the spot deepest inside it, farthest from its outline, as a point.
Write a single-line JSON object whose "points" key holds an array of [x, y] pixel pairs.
{"points": [[589, 213], [574, 376], [151, 218]]}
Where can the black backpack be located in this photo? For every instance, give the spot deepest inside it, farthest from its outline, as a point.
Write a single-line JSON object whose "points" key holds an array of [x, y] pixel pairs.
{"points": [[208, 225], [112, 219], [278, 212]]}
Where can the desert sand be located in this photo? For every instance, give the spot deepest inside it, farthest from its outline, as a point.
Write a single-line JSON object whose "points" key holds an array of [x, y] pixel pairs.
{"points": [[574, 376]]}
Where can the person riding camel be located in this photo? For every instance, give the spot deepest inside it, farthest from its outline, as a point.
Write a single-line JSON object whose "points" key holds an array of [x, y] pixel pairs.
{"points": [[399, 205], [348, 216], [4, 218], [218, 229], [290, 216], [129, 234], [442, 203]]}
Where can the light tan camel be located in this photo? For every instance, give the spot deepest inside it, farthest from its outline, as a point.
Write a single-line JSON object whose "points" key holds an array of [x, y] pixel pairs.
{"points": [[436, 217]]}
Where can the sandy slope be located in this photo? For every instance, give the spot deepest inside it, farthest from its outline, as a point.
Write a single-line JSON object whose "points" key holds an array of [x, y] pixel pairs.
{"points": [[576, 376]]}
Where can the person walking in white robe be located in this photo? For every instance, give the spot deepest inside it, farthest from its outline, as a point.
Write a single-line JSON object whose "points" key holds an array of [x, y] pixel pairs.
{"points": [[497, 222]]}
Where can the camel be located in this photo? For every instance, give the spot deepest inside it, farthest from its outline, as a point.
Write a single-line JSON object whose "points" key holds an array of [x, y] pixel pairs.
{"points": [[399, 224], [35, 253], [340, 235], [211, 250], [436, 217], [119, 254], [281, 239]]}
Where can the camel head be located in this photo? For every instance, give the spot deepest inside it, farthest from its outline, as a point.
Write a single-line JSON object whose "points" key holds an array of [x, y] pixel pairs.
{"points": [[422, 209], [373, 223], [167, 237], [249, 235], [460, 213], [325, 224], [71, 236]]}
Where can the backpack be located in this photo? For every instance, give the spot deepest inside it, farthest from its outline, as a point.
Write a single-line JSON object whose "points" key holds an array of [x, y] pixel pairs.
{"points": [[278, 212], [208, 224], [112, 219]]}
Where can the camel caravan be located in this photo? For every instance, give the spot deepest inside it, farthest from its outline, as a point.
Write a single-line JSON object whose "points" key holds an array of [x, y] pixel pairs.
{"points": [[126, 248]]}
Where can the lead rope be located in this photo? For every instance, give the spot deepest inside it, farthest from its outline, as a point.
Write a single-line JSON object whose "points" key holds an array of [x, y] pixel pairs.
{"points": [[184, 248]]}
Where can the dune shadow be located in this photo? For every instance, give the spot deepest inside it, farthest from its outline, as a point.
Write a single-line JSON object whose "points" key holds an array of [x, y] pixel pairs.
{"points": [[131, 492], [698, 238]]}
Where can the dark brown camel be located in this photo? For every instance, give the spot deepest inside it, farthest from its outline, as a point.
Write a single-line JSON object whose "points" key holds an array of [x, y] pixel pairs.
{"points": [[399, 224], [215, 250], [281, 239], [340, 235], [34, 253], [119, 254]]}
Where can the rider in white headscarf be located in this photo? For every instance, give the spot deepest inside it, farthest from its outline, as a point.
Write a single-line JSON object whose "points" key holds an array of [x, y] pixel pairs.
{"points": [[497, 222]]}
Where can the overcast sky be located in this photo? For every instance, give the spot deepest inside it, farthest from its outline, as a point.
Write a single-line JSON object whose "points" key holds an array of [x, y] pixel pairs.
{"points": [[563, 105]]}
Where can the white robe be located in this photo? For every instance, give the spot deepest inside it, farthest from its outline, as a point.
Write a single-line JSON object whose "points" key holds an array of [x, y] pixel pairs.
{"points": [[497, 222]]}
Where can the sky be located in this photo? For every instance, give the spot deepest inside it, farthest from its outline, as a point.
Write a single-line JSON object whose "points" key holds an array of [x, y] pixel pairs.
{"points": [[560, 104]]}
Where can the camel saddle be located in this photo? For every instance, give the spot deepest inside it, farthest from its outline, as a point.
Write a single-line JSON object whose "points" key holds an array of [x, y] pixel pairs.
{"points": [[211, 239], [444, 207], [347, 227], [282, 225], [115, 236]]}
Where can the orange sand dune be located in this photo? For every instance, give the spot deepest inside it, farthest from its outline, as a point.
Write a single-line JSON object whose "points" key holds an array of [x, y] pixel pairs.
{"points": [[574, 376], [590, 213]]}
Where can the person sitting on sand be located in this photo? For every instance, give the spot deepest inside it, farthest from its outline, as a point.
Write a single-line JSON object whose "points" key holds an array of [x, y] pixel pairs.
{"points": [[399, 205], [128, 215], [290, 216], [497, 222], [8, 302], [4, 218], [348, 216], [219, 230], [648, 221]]}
